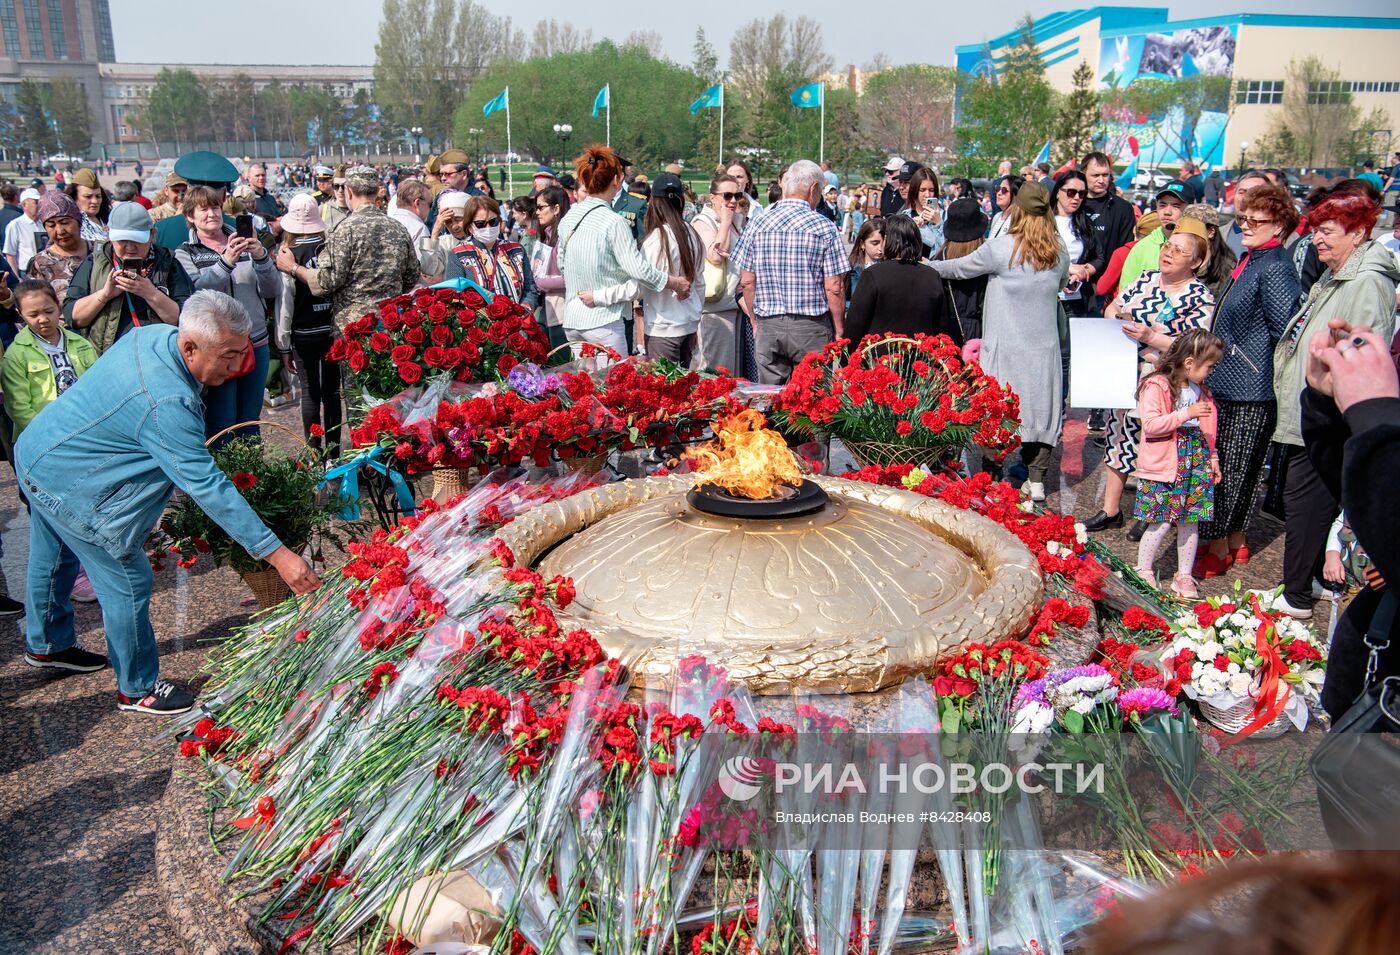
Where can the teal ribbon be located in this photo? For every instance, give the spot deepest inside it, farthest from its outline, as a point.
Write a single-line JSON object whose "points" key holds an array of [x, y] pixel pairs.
{"points": [[349, 474], [462, 283]]}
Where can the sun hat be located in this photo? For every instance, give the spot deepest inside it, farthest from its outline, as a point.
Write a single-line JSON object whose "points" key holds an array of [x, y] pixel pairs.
{"points": [[129, 222], [57, 205], [1032, 198], [28, 194], [964, 221], [303, 216]]}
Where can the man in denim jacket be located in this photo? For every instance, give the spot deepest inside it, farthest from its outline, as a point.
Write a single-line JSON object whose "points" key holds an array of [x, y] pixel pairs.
{"points": [[98, 467]]}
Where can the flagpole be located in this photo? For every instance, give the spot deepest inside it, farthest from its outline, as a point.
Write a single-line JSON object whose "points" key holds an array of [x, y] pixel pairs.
{"points": [[721, 122], [510, 166], [821, 149], [608, 87]]}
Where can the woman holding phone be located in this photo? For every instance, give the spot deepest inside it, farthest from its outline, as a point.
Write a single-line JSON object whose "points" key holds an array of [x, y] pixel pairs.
{"points": [[925, 206], [219, 258]]}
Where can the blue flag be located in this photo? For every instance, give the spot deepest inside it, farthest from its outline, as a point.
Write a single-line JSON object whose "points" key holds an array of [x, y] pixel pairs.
{"points": [[1125, 181], [499, 102], [1044, 155], [807, 97], [602, 101], [712, 98]]}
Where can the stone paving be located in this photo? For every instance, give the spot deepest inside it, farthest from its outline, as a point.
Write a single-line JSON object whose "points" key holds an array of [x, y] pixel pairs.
{"points": [[81, 783]]}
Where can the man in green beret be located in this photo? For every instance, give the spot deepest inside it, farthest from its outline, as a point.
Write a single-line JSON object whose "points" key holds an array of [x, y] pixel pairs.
{"points": [[201, 168]]}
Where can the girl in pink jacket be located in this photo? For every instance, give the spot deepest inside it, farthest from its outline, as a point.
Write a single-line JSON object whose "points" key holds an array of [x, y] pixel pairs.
{"points": [[1177, 468]]}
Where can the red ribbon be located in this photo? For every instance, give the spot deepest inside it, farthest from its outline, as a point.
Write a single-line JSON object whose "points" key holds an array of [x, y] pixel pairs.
{"points": [[261, 815], [1269, 703]]}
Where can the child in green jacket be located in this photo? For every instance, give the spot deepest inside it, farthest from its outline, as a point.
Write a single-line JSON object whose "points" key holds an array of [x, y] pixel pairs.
{"points": [[44, 359]]}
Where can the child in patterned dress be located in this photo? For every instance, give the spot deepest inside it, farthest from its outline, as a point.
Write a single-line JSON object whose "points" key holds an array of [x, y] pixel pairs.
{"points": [[1177, 467]]}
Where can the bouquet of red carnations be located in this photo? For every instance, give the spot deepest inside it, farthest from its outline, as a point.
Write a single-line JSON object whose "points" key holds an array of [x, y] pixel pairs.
{"points": [[438, 332], [898, 400]]}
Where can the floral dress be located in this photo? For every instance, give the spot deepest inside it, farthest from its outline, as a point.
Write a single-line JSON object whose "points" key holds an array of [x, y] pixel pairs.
{"points": [[1191, 497], [54, 268], [1145, 302]]}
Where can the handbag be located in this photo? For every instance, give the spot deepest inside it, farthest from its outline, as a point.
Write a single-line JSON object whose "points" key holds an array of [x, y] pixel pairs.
{"points": [[1275, 474], [1355, 769]]}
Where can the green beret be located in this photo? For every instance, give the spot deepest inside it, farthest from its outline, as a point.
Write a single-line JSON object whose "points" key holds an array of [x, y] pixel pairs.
{"points": [[204, 166]]}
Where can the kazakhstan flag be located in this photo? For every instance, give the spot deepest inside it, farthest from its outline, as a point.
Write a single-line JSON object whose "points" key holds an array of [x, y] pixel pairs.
{"points": [[498, 103], [601, 101], [807, 97], [712, 98]]}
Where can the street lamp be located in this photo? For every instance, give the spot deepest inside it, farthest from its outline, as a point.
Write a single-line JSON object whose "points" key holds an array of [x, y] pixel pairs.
{"points": [[563, 131], [476, 140], [417, 132], [1244, 149]]}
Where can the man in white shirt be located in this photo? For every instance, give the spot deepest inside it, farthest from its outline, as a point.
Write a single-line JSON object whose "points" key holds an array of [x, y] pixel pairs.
{"points": [[414, 200], [21, 234]]}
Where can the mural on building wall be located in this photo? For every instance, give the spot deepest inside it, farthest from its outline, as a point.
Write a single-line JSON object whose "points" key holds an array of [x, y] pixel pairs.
{"points": [[1170, 128]]}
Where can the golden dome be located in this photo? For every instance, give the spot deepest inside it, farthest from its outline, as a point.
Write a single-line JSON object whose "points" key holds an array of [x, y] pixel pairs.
{"points": [[871, 589]]}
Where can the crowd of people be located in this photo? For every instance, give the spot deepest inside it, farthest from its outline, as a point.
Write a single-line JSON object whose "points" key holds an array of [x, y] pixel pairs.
{"points": [[741, 277]]}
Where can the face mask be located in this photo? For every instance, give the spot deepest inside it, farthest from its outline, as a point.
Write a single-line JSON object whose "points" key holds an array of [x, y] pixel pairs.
{"points": [[250, 361], [488, 235]]}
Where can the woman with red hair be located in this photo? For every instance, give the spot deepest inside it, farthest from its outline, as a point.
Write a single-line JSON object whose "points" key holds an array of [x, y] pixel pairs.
{"points": [[1358, 286]]}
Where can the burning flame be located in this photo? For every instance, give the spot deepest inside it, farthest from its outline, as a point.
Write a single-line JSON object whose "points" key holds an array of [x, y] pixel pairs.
{"points": [[747, 460]]}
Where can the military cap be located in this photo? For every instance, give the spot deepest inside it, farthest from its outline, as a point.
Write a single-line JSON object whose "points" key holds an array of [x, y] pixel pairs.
{"points": [[205, 167], [85, 177], [453, 157], [363, 177]]}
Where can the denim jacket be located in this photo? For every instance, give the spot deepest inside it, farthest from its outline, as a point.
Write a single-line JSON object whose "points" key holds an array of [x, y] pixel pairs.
{"points": [[102, 462]]}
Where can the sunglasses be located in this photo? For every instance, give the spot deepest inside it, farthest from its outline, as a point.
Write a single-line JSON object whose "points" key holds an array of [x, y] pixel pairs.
{"points": [[1254, 222], [1003, 191], [728, 196], [541, 206], [1073, 193], [486, 223]]}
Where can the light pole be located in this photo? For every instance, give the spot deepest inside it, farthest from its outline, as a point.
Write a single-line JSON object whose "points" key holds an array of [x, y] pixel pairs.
{"points": [[417, 132], [563, 131], [1244, 150], [476, 140]]}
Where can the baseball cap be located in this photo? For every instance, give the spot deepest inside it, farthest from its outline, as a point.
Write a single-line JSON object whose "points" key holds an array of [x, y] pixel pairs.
{"points": [[894, 164], [907, 170], [1175, 188], [667, 185], [129, 222], [543, 170], [36, 182], [28, 194]]}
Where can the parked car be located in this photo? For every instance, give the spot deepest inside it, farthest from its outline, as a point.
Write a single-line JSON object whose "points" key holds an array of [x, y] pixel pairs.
{"points": [[1150, 177]]}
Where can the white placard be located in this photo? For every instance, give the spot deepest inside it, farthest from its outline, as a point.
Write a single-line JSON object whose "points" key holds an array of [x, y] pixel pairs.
{"points": [[1103, 364]]}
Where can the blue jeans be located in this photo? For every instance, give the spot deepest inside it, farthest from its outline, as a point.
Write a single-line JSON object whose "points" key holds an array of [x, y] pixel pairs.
{"points": [[123, 590], [237, 400]]}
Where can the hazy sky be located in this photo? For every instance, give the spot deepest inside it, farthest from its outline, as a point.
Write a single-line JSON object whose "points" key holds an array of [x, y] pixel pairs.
{"points": [[344, 31]]}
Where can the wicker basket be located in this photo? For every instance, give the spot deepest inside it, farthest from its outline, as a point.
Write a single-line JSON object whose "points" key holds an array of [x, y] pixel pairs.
{"points": [[268, 587], [1232, 719], [449, 482], [880, 454], [590, 464]]}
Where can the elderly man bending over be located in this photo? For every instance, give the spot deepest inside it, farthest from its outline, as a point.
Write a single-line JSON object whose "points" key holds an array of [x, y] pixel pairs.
{"points": [[98, 466]]}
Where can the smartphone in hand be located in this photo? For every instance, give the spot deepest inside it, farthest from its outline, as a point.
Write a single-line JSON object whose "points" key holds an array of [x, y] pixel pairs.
{"points": [[243, 226]]}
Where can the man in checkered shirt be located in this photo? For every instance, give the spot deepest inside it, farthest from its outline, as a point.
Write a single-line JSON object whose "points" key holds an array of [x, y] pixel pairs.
{"points": [[792, 274]]}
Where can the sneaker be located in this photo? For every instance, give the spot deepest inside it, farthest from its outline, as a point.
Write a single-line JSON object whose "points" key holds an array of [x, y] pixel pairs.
{"points": [[1102, 521], [1184, 585], [165, 699], [82, 589], [1297, 613], [1096, 422], [1036, 490], [74, 659], [10, 607]]}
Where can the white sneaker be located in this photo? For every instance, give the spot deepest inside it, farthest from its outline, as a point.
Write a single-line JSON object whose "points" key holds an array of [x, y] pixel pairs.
{"points": [[1037, 491], [1297, 613]]}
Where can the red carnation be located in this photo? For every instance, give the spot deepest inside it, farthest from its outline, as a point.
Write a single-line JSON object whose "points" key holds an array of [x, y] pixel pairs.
{"points": [[243, 480], [903, 428]]}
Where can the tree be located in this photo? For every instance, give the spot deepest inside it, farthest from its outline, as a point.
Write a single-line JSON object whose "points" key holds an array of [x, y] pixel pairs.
{"points": [[36, 134], [551, 37], [177, 109], [72, 120], [909, 109], [1317, 122], [1012, 114], [768, 59], [1172, 110], [428, 53], [648, 40], [704, 59], [651, 124], [1078, 120]]}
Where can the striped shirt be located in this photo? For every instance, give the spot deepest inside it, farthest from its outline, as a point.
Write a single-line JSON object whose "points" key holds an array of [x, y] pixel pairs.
{"points": [[597, 250], [791, 250]]}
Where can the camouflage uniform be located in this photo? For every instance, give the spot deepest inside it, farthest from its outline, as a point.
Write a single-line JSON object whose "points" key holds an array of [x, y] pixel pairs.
{"points": [[368, 258]]}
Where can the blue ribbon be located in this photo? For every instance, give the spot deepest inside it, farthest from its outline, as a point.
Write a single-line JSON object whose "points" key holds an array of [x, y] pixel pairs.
{"points": [[462, 283], [349, 474]]}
